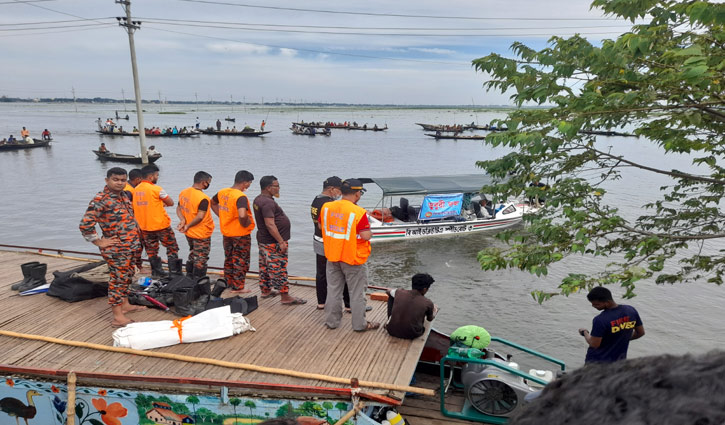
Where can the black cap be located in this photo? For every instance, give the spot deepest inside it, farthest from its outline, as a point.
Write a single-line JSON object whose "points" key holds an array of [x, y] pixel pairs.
{"points": [[333, 181], [353, 184]]}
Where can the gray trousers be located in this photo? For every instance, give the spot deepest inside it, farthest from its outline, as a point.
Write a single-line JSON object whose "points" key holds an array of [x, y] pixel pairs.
{"points": [[356, 277]]}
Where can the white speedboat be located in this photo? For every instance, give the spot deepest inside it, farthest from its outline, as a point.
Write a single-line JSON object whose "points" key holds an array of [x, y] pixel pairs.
{"points": [[416, 207]]}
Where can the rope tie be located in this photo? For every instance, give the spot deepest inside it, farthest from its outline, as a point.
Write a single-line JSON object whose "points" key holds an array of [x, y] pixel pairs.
{"points": [[178, 325]]}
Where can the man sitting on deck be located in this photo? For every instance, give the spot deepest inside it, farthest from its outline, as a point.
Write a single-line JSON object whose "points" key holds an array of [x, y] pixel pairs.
{"points": [[408, 308]]}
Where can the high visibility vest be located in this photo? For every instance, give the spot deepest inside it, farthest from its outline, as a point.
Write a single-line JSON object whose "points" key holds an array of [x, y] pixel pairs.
{"points": [[229, 215], [189, 200], [128, 188], [148, 208], [339, 233]]}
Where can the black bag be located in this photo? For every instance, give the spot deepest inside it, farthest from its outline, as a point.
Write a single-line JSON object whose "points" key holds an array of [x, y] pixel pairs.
{"points": [[75, 288], [237, 304]]}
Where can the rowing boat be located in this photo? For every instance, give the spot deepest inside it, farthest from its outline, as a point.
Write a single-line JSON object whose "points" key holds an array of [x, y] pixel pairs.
{"points": [[455, 136], [242, 133], [128, 159], [20, 145]]}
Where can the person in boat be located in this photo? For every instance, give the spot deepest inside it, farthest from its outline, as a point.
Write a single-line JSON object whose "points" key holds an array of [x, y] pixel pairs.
{"points": [[261, 126], [45, 134], [12, 139], [149, 201], [198, 123], [103, 148], [174, 130], [273, 234], [346, 237], [195, 222], [151, 151], [119, 242], [236, 223], [218, 125], [234, 129], [28, 140], [408, 309], [612, 329], [538, 199], [3, 141], [24, 133], [330, 192]]}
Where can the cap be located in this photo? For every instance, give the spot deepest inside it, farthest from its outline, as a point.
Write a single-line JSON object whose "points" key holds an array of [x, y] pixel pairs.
{"points": [[353, 184], [333, 181]]}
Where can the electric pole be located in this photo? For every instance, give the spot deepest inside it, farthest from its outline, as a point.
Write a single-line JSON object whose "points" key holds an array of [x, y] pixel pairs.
{"points": [[131, 26]]}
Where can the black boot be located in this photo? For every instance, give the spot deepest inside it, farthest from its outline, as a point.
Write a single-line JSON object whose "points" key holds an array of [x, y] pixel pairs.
{"points": [[157, 271], [189, 269], [183, 299], [26, 274], [219, 286], [175, 266], [199, 273], [37, 277], [204, 286]]}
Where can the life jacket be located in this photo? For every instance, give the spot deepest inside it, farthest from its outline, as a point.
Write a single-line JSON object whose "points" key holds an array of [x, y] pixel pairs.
{"points": [[148, 208], [339, 233], [229, 216], [189, 200]]}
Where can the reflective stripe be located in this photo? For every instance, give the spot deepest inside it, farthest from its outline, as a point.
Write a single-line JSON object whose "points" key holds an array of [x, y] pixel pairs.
{"points": [[334, 235]]}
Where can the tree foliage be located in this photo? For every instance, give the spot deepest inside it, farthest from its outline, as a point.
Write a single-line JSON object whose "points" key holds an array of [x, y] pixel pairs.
{"points": [[665, 79]]}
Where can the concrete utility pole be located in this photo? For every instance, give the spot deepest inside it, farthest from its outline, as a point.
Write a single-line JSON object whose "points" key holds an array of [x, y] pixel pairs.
{"points": [[131, 26]]}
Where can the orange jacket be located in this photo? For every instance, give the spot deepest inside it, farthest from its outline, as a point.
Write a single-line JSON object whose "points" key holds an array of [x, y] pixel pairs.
{"points": [[149, 208], [229, 216], [189, 200], [339, 233]]}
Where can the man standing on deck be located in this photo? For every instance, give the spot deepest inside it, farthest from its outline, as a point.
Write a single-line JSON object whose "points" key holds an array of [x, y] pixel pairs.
{"points": [[272, 236], [149, 201], [330, 192], [612, 329], [346, 235], [231, 205], [134, 178], [218, 125], [111, 210], [195, 222]]}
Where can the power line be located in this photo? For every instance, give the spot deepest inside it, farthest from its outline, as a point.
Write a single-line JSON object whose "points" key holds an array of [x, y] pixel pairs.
{"points": [[54, 27], [20, 2], [56, 32], [51, 22], [396, 15]]}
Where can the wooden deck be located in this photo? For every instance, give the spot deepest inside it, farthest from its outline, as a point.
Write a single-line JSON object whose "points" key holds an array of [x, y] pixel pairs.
{"points": [[286, 337]]}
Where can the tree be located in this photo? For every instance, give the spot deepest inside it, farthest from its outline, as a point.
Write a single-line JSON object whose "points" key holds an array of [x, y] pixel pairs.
{"points": [[194, 400], [235, 402], [664, 78], [251, 405]]}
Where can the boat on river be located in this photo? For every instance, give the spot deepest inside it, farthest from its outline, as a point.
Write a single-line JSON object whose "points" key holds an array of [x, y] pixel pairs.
{"points": [[285, 367], [149, 133], [20, 145], [456, 136], [128, 159], [243, 133], [366, 127], [310, 131], [449, 206]]}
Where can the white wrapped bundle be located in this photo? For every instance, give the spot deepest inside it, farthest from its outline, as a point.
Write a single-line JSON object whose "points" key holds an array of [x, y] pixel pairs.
{"points": [[212, 324]]}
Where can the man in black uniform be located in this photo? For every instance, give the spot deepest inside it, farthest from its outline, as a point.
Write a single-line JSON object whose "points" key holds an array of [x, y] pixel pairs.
{"points": [[330, 192]]}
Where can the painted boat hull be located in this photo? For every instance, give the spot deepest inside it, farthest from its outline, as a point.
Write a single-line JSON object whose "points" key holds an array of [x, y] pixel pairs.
{"points": [[20, 146], [127, 159], [235, 133]]}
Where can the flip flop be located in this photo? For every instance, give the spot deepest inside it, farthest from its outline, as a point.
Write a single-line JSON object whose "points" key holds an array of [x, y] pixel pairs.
{"points": [[371, 326], [320, 308], [270, 294], [295, 301]]}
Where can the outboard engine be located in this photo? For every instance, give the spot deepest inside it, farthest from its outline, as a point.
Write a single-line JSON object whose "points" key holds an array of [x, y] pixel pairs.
{"points": [[493, 391]]}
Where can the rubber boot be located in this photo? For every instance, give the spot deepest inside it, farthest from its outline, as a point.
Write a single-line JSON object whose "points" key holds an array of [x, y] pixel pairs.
{"points": [[204, 285], [26, 274], [200, 273], [219, 286], [183, 298], [189, 269], [175, 266], [37, 277], [157, 271]]}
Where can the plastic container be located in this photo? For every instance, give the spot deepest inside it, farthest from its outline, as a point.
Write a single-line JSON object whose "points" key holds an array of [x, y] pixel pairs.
{"points": [[545, 375], [471, 353], [144, 281]]}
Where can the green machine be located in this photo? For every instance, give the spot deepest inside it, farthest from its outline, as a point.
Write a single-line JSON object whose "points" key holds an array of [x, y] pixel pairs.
{"points": [[493, 385]]}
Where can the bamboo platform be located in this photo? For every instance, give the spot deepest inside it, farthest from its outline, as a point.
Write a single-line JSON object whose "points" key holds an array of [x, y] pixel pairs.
{"points": [[286, 337]]}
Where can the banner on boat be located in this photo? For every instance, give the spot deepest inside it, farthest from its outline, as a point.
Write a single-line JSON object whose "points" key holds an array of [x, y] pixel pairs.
{"points": [[440, 206]]}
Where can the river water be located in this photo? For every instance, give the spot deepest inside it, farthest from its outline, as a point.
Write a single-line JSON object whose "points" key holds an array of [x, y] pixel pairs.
{"points": [[45, 192]]}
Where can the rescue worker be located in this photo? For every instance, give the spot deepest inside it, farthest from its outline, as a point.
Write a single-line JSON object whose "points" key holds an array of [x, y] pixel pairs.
{"points": [[195, 222], [231, 205], [346, 237]]}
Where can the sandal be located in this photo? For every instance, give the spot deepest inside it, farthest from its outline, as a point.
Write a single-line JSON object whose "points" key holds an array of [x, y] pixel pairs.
{"points": [[269, 294], [371, 326], [295, 301]]}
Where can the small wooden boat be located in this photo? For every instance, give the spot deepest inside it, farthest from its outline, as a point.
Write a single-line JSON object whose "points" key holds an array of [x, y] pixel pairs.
{"points": [[310, 131], [230, 119], [606, 133], [455, 136], [441, 127], [318, 124], [243, 133], [368, 128], [14, 146], [119, 157]]}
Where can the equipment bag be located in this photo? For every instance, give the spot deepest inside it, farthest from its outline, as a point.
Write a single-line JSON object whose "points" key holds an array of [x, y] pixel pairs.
{"points": [[71, 286]]}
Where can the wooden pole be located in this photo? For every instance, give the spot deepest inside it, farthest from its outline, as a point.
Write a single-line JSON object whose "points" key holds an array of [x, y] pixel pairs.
{"points": [[222, 363], [350, 414], [70, 412]]}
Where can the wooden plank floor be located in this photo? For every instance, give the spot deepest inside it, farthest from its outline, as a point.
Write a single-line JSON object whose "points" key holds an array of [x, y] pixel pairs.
{"points": [[287, 337]]}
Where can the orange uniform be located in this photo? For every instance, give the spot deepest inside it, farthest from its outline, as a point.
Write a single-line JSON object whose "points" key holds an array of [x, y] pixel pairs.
{"points": [[229, 215], [189, 200], [149, 208], [340, 221]]}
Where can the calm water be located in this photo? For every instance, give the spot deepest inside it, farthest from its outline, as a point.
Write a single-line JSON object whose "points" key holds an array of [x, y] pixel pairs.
{"points": [[46, 191]]}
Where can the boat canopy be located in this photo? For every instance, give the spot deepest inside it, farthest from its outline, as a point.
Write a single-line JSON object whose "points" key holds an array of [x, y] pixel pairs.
{"points": [[423, 185]]}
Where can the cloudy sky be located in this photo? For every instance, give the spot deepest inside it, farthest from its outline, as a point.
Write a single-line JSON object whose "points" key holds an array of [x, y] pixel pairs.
{"points": [[372, 51]]}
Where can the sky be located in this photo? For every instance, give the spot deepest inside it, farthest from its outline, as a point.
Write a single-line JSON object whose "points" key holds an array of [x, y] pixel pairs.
{"points": [[406, 52]]}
